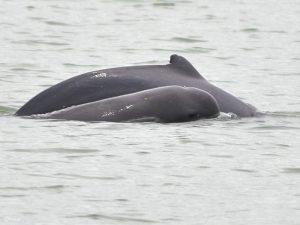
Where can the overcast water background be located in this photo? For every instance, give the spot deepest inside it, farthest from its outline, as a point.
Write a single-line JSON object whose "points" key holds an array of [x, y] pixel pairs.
{"points": [[219, 171]]}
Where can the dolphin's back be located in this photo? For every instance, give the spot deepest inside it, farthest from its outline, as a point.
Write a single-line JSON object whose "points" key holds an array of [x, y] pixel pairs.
{"points": [[102, 84]]}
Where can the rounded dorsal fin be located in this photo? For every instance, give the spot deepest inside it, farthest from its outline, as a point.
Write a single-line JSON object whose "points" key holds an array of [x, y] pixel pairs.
{"points": [[183, 64]]}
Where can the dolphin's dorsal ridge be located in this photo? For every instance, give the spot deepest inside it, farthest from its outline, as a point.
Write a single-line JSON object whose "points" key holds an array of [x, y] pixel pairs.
{"points": [[183, 64]]}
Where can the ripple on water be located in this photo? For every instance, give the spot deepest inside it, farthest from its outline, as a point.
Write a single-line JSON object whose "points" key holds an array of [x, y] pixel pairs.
{"points": [[293, 170], [164, 4], [12, 196], [56, 23], [198, 49], [284, 114], [40, 42], [98, 216], [250, 30], [76, 176], [79, 65], [276, 127], [245, 170], [222, 156], [57, 150], [187, 40], [5, 110], [57, 187]]}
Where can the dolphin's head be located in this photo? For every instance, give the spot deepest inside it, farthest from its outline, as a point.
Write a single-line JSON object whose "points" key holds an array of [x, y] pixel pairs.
{"points": [[201, 104]]}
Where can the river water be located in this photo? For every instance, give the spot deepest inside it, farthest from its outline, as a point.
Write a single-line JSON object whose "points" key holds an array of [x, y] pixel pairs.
{"points": [[219, 171]]}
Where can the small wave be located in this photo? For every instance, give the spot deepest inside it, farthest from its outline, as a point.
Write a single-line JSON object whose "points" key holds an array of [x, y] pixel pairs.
{"points": [[77, 176], [250, 30], [244, 170], [289, 114], [5, 110], [164, 4], [292, 170], [98, 216], [57, 23], [78, 65], [187, 40], [41, 42], [56, 150]]}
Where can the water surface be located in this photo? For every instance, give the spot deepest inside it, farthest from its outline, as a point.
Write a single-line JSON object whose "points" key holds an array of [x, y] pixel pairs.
{"points": [[219, 171]]}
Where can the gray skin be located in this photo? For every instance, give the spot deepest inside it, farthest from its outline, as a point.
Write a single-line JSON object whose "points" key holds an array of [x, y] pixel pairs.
{"points": [[164, 104], [107, 83]]}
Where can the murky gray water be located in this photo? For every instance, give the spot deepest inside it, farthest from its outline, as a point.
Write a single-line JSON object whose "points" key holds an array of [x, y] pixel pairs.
{"points": [[221, 171]]}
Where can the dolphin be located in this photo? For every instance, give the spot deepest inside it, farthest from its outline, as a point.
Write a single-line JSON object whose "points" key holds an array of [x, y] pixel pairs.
{"points": [[108, 83], [167, 104]]}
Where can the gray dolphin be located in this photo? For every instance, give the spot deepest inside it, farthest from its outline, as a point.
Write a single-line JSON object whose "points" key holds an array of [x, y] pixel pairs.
{"points": [[107, 83], [163, 104]]}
